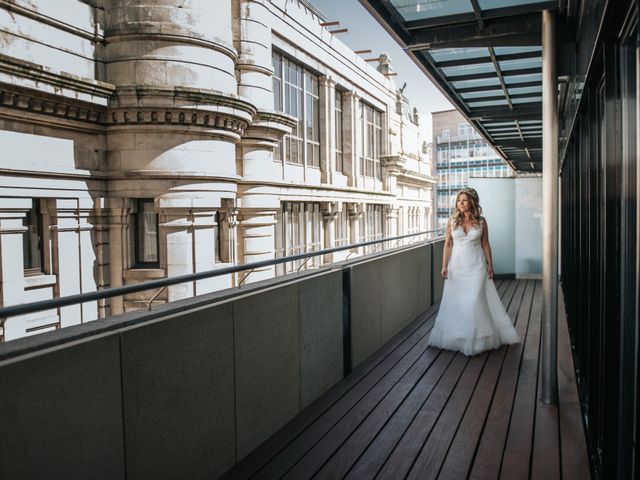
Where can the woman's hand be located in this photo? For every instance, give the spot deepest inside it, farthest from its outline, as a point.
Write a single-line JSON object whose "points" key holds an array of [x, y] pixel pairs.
{"points": [[490, 271], [444, 272]]}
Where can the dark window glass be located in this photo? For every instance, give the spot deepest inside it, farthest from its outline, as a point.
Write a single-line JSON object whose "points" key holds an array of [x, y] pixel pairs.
{"points": [[146, 234], [32, 241]]}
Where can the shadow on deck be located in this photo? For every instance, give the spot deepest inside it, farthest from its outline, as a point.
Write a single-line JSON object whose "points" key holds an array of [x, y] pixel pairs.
{"points": [[417, 412]]}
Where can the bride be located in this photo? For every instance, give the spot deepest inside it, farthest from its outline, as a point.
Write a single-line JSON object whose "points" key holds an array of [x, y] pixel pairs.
{"points": [[471, 318]]}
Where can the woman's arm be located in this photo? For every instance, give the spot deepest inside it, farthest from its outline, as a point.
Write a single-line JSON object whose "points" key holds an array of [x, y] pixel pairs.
{"points": [[486, 247], [448, 245]]}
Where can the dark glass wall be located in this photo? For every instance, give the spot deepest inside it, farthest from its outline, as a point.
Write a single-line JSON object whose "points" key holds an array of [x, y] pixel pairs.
{"points": [[599, 232]]}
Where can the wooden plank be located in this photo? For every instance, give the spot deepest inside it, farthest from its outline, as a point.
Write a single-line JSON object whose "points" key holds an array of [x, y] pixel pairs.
{"points": [[345, 446], [460, 455], [365, 395], [380, 448], [487, 460], [575, 457], [401, 459], [545, 461], [517, 450], [374, 457], [376, 366], [433, 452]]}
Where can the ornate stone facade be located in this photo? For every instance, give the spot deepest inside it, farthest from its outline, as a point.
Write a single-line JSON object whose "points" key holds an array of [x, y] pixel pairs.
{"points": [[143, 139]]}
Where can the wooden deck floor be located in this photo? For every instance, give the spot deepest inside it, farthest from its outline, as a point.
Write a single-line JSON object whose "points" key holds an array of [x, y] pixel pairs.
{"points": [[419, 413]]}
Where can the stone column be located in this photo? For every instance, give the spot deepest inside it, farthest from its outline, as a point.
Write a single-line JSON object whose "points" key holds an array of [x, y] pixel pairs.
{"points": [[327, 130], [392, 224], [66, 261], [256, 241], [351, 124], [170, 42], [87, 232], [355, 212], [173, 126], [253, 40], [329, 213], [118, 248]]}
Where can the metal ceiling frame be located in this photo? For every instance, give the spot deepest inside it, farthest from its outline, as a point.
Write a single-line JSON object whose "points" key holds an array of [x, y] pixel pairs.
{"points": [[514, 26]]}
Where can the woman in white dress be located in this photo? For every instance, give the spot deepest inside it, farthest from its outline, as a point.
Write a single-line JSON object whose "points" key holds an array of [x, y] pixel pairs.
{"points": [[471, 318]]}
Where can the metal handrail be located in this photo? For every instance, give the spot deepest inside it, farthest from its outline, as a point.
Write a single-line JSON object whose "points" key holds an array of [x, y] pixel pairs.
{"points": [[25, 308]]}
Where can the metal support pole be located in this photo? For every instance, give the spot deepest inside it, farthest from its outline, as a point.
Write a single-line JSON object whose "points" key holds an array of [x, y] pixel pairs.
{"points": [[549, 390]]}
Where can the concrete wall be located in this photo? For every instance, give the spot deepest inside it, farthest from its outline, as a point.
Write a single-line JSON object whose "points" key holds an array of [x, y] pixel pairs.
{"points": [[189, 389]]}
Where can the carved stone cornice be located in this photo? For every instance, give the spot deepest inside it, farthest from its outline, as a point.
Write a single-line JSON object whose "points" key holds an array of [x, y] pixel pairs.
{"points": [[15, 67], [180, 106], [34, 101], [268, 128], [177, 117]]}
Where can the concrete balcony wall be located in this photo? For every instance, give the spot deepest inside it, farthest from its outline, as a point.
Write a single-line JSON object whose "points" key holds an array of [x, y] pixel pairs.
{"points": [[190, 388]]}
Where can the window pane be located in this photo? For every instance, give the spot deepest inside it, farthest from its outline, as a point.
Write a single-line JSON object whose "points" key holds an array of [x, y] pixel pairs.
{"points": [[32, 238], [147, 232]]}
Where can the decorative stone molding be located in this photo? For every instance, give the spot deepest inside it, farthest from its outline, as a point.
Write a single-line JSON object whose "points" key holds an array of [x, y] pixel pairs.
{"points": [[143, 105], [177, 116], [268, 128], [34, 101], [20, 68], [175, 35]]}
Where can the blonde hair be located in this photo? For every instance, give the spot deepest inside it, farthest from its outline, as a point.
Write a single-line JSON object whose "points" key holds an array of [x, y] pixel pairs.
{"points": [[474, 208]]}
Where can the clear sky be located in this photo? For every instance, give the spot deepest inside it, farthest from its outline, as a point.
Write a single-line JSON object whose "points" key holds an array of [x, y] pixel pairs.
{"points": [[365, 32]]}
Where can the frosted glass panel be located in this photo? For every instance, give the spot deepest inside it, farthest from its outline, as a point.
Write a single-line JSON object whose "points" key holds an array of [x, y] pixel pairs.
{"points": [[497, 201]]}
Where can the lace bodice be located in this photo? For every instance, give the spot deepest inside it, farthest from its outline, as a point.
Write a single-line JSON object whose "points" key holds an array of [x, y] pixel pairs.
{"points": [[472, 238]]}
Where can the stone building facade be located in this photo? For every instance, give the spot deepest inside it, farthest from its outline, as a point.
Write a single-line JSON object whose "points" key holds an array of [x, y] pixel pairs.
{"points": [[152, 138]]}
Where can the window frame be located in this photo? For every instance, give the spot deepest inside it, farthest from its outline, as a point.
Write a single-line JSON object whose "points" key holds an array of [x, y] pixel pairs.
{"points": [[36, 208], [305, 89], [137, 263]]}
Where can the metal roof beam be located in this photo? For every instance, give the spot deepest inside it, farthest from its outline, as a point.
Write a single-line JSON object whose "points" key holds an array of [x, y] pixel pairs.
{"points": [[480, 60], [485, 88], [529, 112], [449, 20], [509, 32], [484, 76]]}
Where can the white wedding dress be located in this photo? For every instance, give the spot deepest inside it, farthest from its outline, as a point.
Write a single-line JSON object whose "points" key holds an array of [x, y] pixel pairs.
{"points": [[471, 318]]}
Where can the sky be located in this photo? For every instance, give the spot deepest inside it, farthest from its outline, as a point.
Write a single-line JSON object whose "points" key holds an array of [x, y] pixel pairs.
{"points": [[364, 33]]}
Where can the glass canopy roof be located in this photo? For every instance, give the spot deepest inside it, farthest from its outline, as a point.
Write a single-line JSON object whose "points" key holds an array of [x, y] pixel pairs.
{"points": [[486, 57]]}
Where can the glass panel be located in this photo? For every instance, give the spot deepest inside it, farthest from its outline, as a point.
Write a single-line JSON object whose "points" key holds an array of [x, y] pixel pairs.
{"points": [[521, 90], [527, 100], [147, 232], [490, 4], [488, 103], [479, 83], [482, 94], [508, 65], [32, 239], [469, 69], [445, 54], [511, 79], [509, 50], [419, 9]]}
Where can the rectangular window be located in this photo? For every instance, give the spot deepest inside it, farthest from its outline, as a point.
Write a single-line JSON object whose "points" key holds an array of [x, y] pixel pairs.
{"points": [[371, 226], [342, 228], [33, 241], [299, 230], [145, 234], [338, 124], [465, 130], [296, 91], [371, 141]]}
